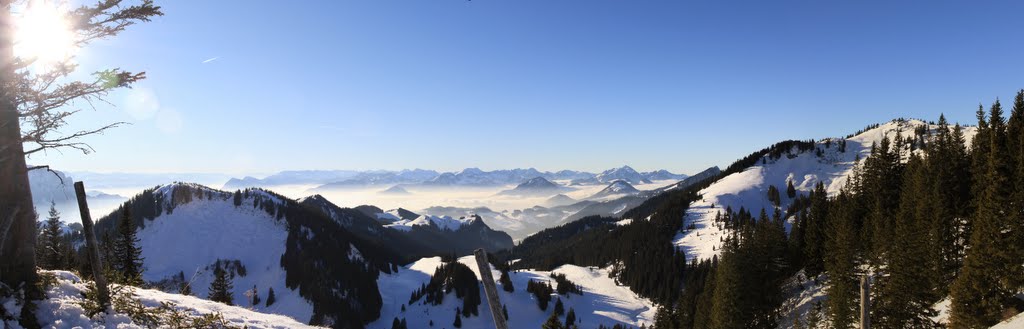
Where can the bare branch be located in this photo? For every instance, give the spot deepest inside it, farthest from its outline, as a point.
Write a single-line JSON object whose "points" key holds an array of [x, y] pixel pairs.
{"points": [[47, 167]]}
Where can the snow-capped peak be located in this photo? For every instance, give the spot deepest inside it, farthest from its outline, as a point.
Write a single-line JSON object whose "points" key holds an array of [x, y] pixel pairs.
{"points": [[626, 173]]}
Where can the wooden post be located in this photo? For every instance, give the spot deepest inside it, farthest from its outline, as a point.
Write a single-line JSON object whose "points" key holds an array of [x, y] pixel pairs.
{"points": [[91, 248], [865, 302], [490, 289]]}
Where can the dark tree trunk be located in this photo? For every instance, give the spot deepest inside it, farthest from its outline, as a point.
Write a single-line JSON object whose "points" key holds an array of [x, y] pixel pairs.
{"points": [[17, 216]]}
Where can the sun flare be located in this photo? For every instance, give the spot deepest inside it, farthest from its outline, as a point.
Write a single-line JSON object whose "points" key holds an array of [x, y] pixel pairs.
{"points": [[42, 32]]}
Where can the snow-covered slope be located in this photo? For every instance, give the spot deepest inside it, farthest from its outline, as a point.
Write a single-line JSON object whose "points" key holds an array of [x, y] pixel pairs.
{"points": [[603, 301], [192, 238], [264, 241], [62, 309], [748, 189]]}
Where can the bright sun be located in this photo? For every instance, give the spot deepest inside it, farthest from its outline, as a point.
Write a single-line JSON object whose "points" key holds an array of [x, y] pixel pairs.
{"points": [[43, 32]]}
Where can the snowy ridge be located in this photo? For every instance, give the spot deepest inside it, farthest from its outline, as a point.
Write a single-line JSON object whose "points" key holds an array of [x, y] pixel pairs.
{"points": [[603, 301], [748, 189], [446, 223]]}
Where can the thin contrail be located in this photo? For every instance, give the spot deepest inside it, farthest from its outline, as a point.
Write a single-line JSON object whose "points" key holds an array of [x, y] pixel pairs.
{"points": [[211, 59]]}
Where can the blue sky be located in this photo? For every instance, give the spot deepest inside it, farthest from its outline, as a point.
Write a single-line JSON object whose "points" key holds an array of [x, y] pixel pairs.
{"points": [[553, 84]]}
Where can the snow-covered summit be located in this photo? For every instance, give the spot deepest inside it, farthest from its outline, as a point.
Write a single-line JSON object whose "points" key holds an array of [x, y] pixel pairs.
{"points": [[625, 173], [537, 186], [616, 188]]}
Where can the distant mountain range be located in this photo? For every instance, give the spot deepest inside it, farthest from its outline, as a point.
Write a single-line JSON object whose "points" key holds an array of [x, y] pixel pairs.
{"points": [[342, 179]]}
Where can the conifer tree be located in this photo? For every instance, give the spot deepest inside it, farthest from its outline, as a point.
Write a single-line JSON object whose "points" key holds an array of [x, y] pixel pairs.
{"points": [[904, 291], [841, 259], [962, 205], [185, 289], [553, 322], [270, 297], [51, 241], [1015, 128], [570, 318], [726, 311], [128, 256], [220, 288], [948, 167], [814, 234], [256, 297], [1017, 198], [991, 269], [458, 319], [506, 282], [504, 312], [790, 189], [880, 191], [559, 307]]}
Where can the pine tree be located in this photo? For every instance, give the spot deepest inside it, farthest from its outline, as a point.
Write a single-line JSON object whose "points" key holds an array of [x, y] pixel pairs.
{"points": [[814, 234], [1017, 198], [841, 258], [904, 292], [256, 297], [1015, 129], [726, 308], [127, 255], [270, 297], [880, 191], [559, 307], [506, 282], [458, 319], [991, 269], [948, 167], [51, 241], [790, 189], [553, 322], [570, 318], [185, 289], [773, 196], [220, 288]]}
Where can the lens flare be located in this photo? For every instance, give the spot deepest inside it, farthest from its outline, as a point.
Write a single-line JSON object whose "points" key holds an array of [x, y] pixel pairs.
{"points": [[43, 33]]}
